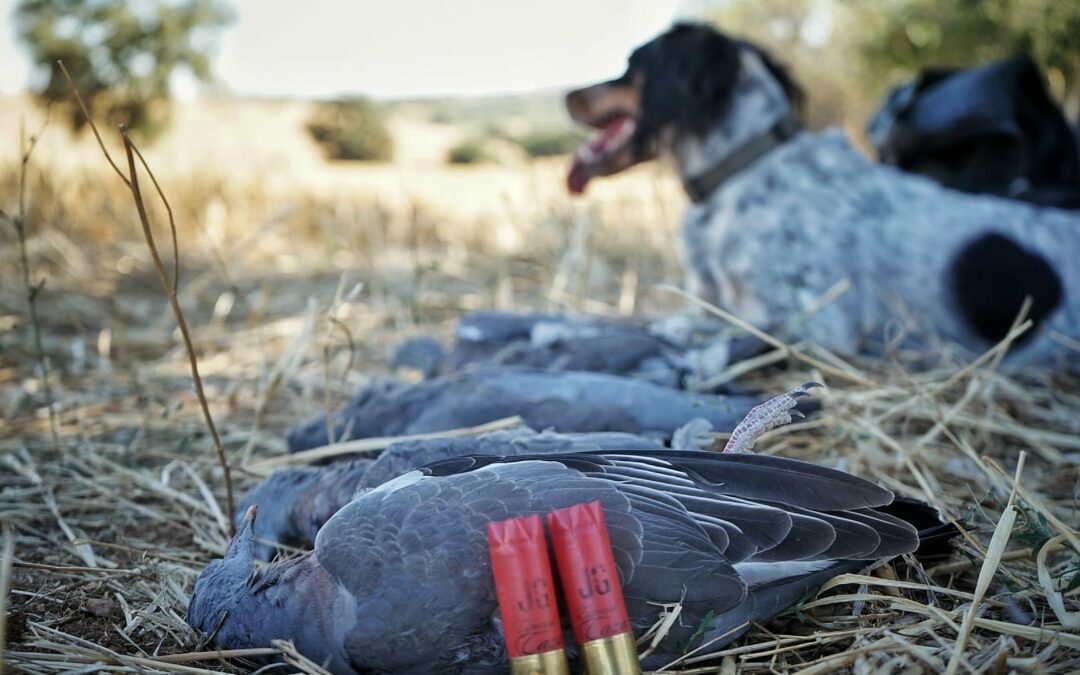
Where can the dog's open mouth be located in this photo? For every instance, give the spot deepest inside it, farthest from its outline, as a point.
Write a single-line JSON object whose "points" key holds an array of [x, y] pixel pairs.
{"points": [[594, 156]]}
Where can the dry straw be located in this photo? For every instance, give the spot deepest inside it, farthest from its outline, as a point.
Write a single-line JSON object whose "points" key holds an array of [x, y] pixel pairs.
{"points": [[147, 511]]}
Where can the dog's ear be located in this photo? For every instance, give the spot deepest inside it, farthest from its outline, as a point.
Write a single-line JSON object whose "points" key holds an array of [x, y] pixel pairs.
{"points": [[688, 75], [795, 95]]}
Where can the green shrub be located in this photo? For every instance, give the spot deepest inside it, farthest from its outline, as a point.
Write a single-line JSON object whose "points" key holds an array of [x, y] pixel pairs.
{"points": [[549, 142], [120, 54], [468, 151], [441, 117], [352, 128]]}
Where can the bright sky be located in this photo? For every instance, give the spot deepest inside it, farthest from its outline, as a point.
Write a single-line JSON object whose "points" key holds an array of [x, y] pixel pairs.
{"points": [[400, 48]]}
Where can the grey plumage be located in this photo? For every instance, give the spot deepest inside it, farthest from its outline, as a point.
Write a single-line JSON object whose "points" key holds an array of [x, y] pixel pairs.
{"points": [[295, 502], [564, 401], [560, 342], [399, 581], [422, 353]]}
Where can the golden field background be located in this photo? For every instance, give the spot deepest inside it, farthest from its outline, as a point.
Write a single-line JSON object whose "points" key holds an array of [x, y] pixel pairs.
{"points": [[258, 207], [255, 160], [270, 231]]}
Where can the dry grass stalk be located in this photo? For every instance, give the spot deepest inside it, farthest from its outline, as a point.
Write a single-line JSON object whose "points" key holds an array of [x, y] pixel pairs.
{"points": [[1019, 326], [6, 556], [660, 629], [1068, 640], [170, 286], [332, 322], [845, 373], [216, 654], [18, 222], [295, 658], [1067, 532], [916, 626], [994, 552], [171, 290], [1056, 599], [745, 366], [94, 655], [372, 444]]}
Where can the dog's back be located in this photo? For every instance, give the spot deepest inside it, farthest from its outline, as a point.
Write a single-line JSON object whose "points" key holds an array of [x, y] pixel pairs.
{"points": [[772, 240]]}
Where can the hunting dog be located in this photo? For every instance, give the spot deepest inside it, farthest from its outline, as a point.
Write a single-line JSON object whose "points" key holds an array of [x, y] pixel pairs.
{"points": [[780, 215]]}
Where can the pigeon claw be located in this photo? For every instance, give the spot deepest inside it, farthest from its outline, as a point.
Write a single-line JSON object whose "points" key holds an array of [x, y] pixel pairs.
{"points": [[769, 415], [804, 389]]}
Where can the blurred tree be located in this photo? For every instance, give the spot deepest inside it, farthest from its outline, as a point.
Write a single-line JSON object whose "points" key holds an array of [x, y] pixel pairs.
{"points": [[810, 38], [121, 54], [352, 128], [849, 52], [902, 36]]}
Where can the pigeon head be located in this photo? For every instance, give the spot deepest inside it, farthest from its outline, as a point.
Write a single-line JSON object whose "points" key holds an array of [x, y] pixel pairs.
{"points": [[422, 353], [217, 587], [276, 497]]}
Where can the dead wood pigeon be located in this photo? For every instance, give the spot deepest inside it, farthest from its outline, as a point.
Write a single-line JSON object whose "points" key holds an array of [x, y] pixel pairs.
{"points": [[563, 401], [399, 581], [295, 502], [562, 342], [565, 342]]}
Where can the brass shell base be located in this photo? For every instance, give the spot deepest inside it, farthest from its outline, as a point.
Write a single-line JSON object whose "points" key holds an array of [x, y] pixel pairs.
{"points": [[544, 663], [615, 655]]}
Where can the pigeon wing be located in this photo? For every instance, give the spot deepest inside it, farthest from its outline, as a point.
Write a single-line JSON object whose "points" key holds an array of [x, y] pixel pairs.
{"points": [[412, 554]]}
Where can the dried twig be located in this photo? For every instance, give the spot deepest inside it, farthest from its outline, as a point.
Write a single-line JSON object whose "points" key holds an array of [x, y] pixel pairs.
{"points": [[373, 444], [181, 322], [295, 658], [90, 119], [331, 322], [6, 556], [18, 222], [170, 286]]}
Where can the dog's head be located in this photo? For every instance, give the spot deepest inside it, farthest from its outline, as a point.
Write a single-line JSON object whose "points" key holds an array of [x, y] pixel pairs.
{"points": [[679, 83]]}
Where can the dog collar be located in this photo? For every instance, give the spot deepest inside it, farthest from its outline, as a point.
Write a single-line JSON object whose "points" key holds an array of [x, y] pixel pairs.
{"points": [[702, 185]]}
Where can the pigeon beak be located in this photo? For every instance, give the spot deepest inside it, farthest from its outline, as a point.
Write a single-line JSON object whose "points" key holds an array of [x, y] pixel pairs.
{"points": [[243, 542]]}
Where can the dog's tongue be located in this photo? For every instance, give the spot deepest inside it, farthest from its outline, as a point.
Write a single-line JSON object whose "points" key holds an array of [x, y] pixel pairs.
{"points": [[577, 178], [592, 152]]}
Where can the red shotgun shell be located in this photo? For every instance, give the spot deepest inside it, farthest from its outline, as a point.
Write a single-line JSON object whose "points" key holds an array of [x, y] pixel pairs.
{"points": [[587, 570], [524, 585]]}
